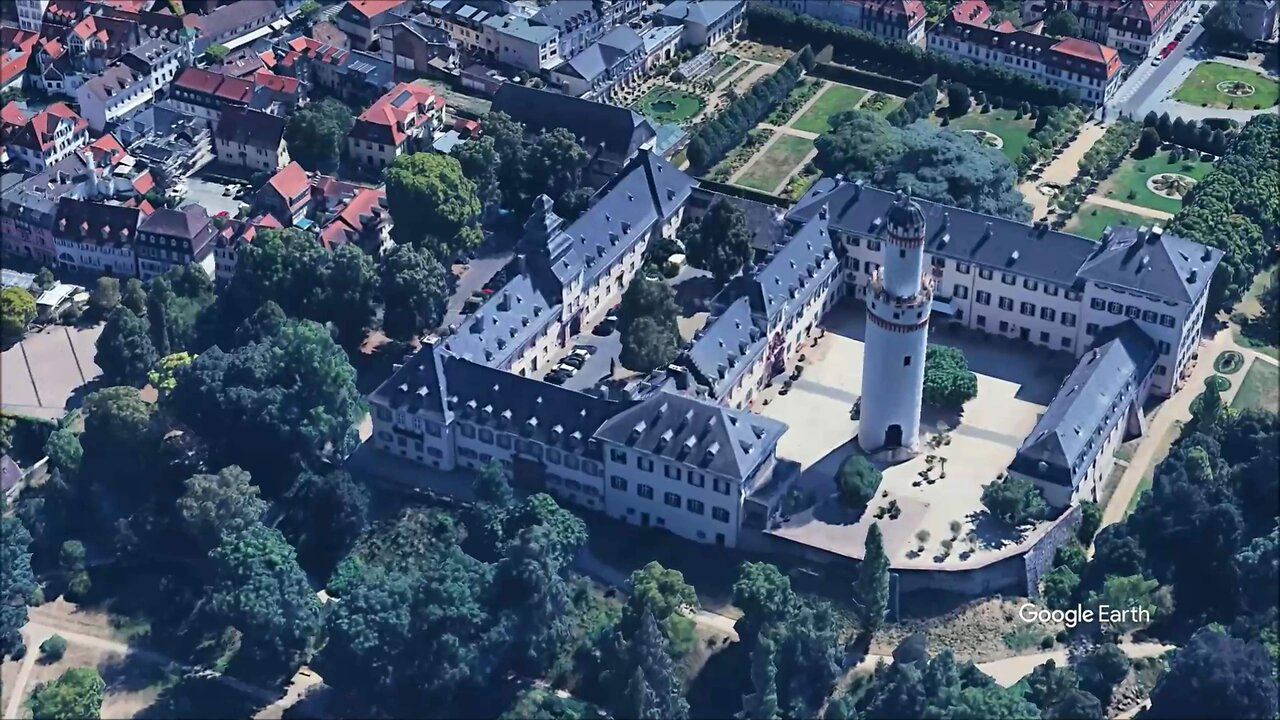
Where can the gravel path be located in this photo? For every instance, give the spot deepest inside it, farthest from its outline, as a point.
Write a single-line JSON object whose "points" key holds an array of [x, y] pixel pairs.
{"points": [[1097, 199]]}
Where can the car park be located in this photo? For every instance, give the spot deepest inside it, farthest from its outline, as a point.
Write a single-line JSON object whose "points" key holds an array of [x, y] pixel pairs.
{"points": [[556, 377], [568, 370], [606, 326], [574, 361]]}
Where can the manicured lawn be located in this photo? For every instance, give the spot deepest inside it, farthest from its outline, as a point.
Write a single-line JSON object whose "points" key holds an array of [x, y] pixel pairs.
{"points": [[1090, 220], [1014, 133], [667, 104], [1201, 87], [763, 53], [1129, 182], [881, 103], [835, 99], [770, 168], [1260, 388]]}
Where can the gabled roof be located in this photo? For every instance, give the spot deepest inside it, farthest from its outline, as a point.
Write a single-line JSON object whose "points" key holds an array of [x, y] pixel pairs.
{"points": [[1152, 262], [107, 149], [290, 181], [113, 81], [38, 132], [1088, 51], [619, 130], [15, 50], [701, 12], [191, 223], [370, 9], [565, 14], [787, 278], [611, 49], [727, 346], [381, 121], [214, 85], [504, 325], [730, 443], [251, 127], [95, 222], [1093, 398], [365, 210]]}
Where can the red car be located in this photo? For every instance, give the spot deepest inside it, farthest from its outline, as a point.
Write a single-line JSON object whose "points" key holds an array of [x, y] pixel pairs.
{"points": [[1168, 49]]}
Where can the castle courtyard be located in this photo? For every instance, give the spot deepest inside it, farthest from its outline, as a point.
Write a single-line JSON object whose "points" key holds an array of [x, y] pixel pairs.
{"points": [[1015, 383]]}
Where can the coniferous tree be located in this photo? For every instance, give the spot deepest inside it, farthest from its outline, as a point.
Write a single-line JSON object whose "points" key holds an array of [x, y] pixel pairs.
{"points": [[871, 591], [654, 690], [124, 350], [763, 703]]}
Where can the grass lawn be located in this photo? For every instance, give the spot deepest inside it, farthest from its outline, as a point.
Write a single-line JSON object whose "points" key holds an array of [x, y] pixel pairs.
{"points": [[1014, 133], [763, 53], [771, 167], [1260, 388], [1201, 87], [1253, 333], [881, 103], [1090, 220], [669, 105], [835, 99], [1129, 182]]}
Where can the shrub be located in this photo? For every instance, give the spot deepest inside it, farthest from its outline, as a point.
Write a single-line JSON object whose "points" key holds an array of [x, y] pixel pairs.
{"points": [[54, 648], [856, 481]]}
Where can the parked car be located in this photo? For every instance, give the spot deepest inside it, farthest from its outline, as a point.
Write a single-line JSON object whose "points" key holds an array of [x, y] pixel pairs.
{"points": [[568, 370], [606, 326], [574, 361], [1155, 61], [556, 377], [585, 351]]}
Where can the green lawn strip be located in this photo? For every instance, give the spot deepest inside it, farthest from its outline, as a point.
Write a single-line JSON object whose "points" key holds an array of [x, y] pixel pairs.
{"points": [[881, 103], [1132, 175], [1090, 220], [835, 99], [686, 105], [1260, 388], [726, 68], [1014, 133], [1201, 87], [767, 170]]}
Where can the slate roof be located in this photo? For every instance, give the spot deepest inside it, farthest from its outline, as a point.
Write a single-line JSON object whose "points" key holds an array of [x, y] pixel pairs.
{"points": [[619, 130], [501, 327], [645, 192], [789, 277], [701, 12], [191, 224], [567, 14], [251, 127], [1093, 398], [727, 346], [94, 222], [596, 59], [1153, 262], [522, 28], [965, 235], [730, 443]]}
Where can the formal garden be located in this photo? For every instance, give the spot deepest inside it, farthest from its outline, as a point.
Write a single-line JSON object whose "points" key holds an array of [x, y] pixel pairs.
{"points": [[1215, 84], [1260, 388], [771, 167], [1158, 182], [1001, 129], [881, 103], [669, 105], [1091, 220], [835, 99]]}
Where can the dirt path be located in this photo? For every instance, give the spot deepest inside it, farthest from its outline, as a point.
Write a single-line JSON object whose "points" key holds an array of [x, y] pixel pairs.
{"points": [[1062, 170], [788, 130], [1097, 199], [1009, 671], [16, 693], [754, 158]]}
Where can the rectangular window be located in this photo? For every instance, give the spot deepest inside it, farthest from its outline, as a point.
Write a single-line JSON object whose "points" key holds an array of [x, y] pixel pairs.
{"points": [[504, 441], [938, 262], [644, 464], [1066, 342], [1044, 336], [1166, 320], [617, 482], [1069, 319], [1091, 328], [1006, 303], [1115, 308], [697, 479], [1051, 290], [644, 491], [873, 245], [1031, 285], [721, 486], [553, 456], [906, 361], [962, 268], [486, 436], [1004, 326], [695, 506], [671, 471], [984, 273], [983, 297], [1162, 370], [1048, 313], [1008, 278], [1027, 309], [671, 499], [468, 431], [982, 321], [720, 514], [1132, 311], [618, 456], [961, 292], [1098, 304], [1164, 347], [1149, 316], [572, 462]]}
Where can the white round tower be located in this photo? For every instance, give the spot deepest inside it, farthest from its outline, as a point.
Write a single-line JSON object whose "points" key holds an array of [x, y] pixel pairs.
{"points": [[898, 303]]}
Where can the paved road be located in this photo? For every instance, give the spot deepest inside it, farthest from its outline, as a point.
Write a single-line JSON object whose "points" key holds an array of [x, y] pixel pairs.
{"points": [[478, 272], [1132, 97]]}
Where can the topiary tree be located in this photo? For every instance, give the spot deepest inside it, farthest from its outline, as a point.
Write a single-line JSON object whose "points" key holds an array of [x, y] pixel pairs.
{"points": [[1148, 143], [856, 481], [959, 99]]}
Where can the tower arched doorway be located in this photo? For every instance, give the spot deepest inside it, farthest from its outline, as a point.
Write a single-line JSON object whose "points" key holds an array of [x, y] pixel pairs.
{"points": [[893, 436]]}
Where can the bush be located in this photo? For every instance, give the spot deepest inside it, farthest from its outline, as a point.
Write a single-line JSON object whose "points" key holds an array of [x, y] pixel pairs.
{"points": [[1014, 500], [54, 648], [948, 382], [856, 481]]}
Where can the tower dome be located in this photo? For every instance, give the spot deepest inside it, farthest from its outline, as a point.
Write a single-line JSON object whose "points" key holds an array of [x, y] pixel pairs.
{"points": [[905, 218]]}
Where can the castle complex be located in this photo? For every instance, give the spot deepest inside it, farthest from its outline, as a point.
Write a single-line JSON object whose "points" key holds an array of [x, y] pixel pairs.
{"points": [[681, 449]]}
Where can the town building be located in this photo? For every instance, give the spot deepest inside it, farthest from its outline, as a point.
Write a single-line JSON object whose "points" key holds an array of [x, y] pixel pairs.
{"points": [[206, 94], [1091, 69], [175, 145], [1138, 27], [355, 77], [359, 217], [227, 242], [400, 122], [614, 61], [704, 22], [169, 239], [16, 47], [612, 135], [31, 13], [467, 23], [416, 47], [892, 19], [129, 83], [523, 44], [47, 137], [250, 139], [661, 43], [360, 19], [582, 22], [96, 238], [287, 195], [1258, 18]]}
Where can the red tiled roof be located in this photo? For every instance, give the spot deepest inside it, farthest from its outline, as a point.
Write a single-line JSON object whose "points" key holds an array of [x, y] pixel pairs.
{"points": [[210, 83], [1087, 50], [16, 46], [1006, 26], [971, 12], [291, 181], [37, 133], [348, 223], [144, 183], [11, 114], [370, 8], [109, 148], [278, 83], [381, 121], [267, 220]]}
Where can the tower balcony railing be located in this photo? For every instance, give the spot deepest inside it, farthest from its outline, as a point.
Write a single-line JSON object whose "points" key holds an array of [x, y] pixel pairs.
{"points": [[922, 298]]}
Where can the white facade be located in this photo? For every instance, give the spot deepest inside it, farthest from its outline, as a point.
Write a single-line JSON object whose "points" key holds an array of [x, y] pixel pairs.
{"points": [[95, 258], [31, 14]]}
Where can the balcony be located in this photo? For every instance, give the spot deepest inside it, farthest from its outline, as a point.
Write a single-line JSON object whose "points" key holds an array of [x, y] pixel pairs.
{"points": [[921, 299]]}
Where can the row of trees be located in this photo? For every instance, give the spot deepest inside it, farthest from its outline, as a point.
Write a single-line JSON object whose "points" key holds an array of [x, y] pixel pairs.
{"points": [[1055, 127], [714, 138], [918, 105], [1193, 134], [1110, 150], [777, 26], [937, 164], [1236, 209]]}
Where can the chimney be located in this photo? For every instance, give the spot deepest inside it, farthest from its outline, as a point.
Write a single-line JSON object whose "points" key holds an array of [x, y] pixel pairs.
{"points": [[822, 211], [987, 232], [1192, 277]]}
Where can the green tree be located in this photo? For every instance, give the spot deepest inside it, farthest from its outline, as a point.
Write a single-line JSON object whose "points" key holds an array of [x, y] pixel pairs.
{"points": [[45, 279], [1207, 407], [124, 349], [1101, 670], [992, 702], [553, 164], [1217, 676], [858, 144], [352, 286], [326, 515], [1090, 521], [261, 591], [1060, 586], [17, 582], [414, 291], [1014, 501], [216, 52], [53, 648], [317, 132], [134, 296], [1063, 23], [1076, 705], [480, 163], [17, 310], [164, 376], [1048, 685], [433, 204], [1132, 592], [264, 324], [763, 594], [71, 559], [959, 100], [871, 591], [762, 703], [1148, 143], [159, 301], [948, 382], [75, 695], [213, 507], [857, 481], [1223, 27], [654, 691], [661, 593], [64, 451], [647, 321], [105, 296], [720, 242]]}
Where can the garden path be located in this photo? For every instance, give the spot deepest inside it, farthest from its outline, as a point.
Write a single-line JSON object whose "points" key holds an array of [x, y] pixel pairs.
{"points": [[1097, 199], [1061, 171]]}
